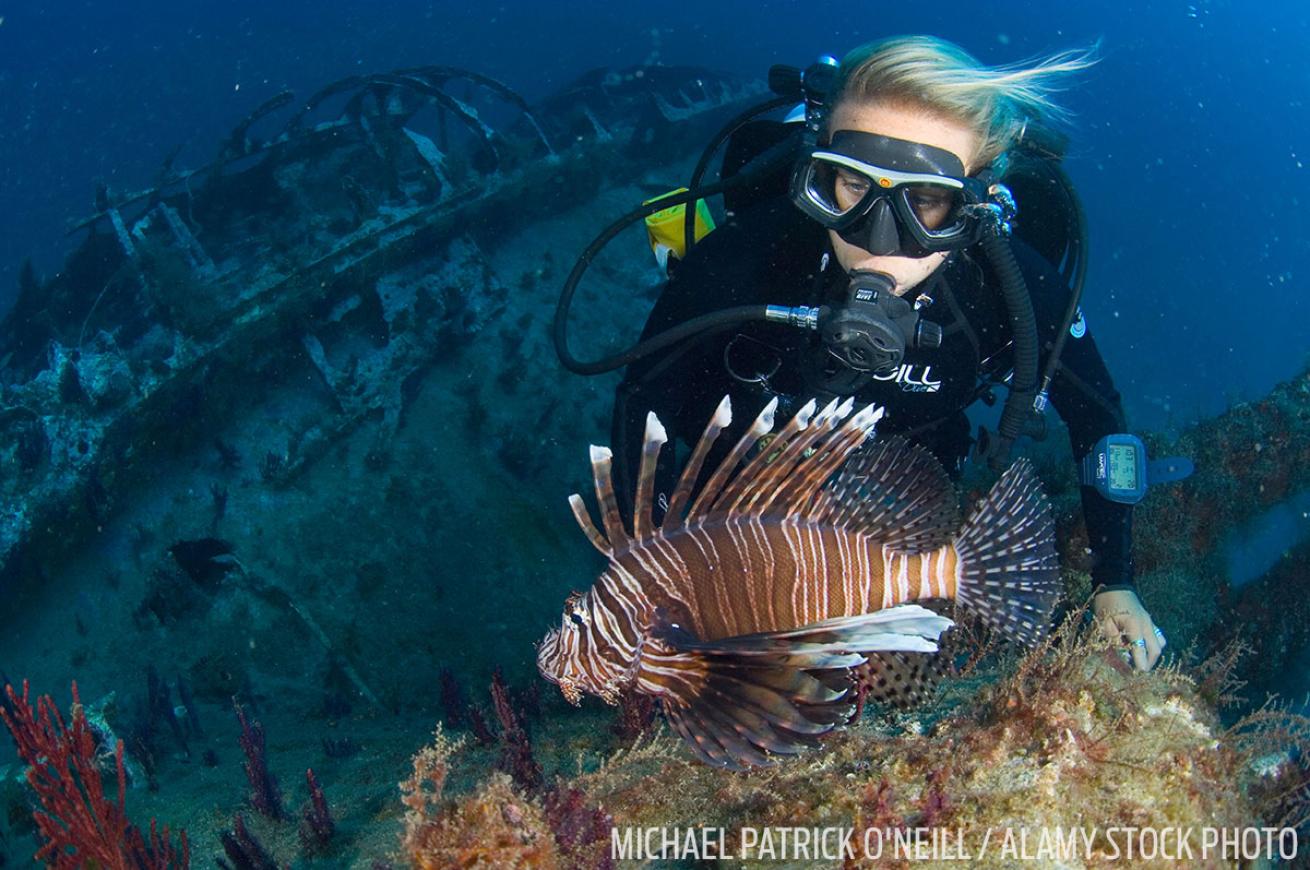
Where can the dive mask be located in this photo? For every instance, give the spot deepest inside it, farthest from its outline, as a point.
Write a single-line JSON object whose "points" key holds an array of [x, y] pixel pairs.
{"points": [[889, 196]]}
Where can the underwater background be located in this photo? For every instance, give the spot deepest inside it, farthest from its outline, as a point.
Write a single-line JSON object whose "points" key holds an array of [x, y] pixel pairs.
{"points": [[1188, 148], [317, 458]]}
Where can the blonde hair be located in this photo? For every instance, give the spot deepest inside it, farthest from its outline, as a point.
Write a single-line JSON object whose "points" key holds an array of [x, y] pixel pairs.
{"points": [[1002, 104]]}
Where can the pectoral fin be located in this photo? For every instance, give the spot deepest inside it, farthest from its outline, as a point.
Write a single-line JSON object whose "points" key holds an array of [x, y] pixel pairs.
{"points": [[738, 700]]}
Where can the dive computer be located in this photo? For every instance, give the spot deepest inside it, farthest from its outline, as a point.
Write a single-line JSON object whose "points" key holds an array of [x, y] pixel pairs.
{"points": [[1118, 468]]}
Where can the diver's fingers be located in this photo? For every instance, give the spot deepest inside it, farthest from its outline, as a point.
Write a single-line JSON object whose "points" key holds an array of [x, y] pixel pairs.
{"points": [[1153, 649], [1140, 660], [1112, 629]]}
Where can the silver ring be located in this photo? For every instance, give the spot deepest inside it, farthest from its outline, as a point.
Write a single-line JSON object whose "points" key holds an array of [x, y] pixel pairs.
{"points": [[1141, 641]]}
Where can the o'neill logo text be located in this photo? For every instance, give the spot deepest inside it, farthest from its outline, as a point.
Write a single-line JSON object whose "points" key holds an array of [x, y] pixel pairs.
{"points": [[911, 382]]}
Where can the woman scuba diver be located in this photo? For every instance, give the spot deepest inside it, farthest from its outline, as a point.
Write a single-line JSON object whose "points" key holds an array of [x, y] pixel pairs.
{"points": [[891, 245]]}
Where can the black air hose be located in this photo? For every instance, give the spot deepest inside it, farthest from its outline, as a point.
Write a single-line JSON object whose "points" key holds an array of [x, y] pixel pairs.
{"points": [[1018, 409], [757, 169], [713, 321]]}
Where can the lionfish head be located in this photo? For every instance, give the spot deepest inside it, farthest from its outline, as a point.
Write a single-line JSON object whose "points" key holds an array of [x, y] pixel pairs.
{"points": [[560, 657]]}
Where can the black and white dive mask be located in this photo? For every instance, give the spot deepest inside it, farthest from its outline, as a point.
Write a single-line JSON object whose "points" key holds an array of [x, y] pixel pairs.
{"points": [[889, 196]]}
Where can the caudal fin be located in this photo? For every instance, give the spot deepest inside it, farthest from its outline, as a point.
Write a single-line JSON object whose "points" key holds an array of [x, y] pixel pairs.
{"points": [[1009, 574]]}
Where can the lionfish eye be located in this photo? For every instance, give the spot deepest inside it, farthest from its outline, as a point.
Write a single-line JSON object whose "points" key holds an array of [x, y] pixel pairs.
{"points": [[574, 610]]}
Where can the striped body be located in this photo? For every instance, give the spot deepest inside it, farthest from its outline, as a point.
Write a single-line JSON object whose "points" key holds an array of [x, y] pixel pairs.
{"points": [[753, 608], [748, 575]]}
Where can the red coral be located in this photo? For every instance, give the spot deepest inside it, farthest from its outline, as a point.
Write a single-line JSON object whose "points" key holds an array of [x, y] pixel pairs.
{"points": [[935, 806], [478, 725], [80, 825], [316, 825], [876, 808], [265, 796], [516, 757], [636, 714], [581, 830], [875, 813]]}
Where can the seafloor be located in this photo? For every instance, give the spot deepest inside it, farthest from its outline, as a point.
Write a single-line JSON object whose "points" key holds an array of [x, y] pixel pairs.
{"points": [[336, 498]]}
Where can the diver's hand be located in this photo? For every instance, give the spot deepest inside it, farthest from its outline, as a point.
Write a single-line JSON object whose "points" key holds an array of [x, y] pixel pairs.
{"points": [[1123, 618]]}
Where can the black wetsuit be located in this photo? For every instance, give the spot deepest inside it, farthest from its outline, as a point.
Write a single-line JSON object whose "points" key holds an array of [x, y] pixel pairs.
{"points": [[773, 254]]}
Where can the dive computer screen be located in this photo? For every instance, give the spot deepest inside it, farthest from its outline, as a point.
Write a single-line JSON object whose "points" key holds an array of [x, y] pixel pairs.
{"points": [[1123, 467]]}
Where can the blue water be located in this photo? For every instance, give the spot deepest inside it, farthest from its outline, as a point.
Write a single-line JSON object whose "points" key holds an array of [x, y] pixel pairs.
{"points": [[1191, 150]]}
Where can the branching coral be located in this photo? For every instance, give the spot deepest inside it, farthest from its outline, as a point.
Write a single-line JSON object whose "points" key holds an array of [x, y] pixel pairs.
{"points": [[582, 831], [82, 827], [265, 796], [316, 823], [516, 756], [243, 849], [636, 715], [496, 827], [422, 792]]}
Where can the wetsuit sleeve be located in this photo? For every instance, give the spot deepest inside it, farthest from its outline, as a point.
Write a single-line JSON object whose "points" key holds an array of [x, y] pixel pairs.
{"points": [[1085, 396]]}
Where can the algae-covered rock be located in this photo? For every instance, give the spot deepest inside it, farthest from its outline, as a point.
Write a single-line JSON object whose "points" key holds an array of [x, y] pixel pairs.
{"points": [[1054, 758]]}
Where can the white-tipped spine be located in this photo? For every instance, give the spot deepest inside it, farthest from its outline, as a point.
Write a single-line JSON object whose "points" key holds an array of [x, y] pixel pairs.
{"points": [[805, 414], [588, 527], [764, 422], [867, 419], [655, 433], [722, 418], [723, 413], [714, 487], [601, 466], [826, 414], [655, 437]]}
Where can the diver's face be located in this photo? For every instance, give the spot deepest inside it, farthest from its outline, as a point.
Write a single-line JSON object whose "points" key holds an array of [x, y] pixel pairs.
{"points": [[915, 125]]}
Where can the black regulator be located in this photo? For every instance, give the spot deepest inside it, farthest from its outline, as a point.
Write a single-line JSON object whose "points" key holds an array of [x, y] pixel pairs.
{"points": [[873, 328]]}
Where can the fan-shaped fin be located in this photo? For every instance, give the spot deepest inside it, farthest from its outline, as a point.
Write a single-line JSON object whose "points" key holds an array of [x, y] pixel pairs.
{"points": [[739, 699], [897, 493]]}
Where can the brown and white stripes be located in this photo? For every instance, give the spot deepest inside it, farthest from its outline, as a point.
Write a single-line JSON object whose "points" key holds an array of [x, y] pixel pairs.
{"points": [[749, 574], [757, 550]]}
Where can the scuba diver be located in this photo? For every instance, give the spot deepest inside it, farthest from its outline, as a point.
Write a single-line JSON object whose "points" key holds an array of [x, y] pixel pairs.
{"points": [[888, 242]]}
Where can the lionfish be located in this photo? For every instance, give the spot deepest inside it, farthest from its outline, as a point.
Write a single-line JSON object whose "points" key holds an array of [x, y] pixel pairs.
{"points": [[759, 611]]}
